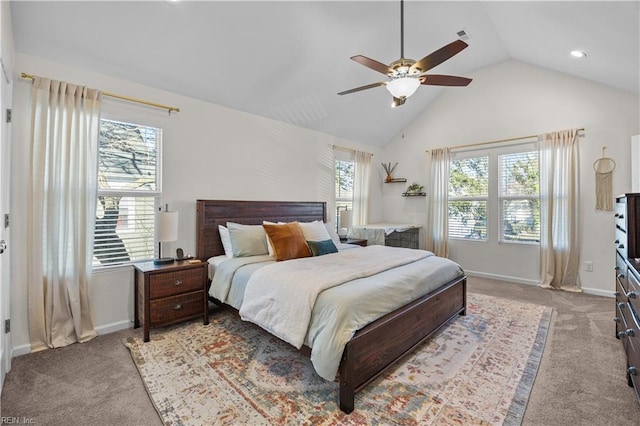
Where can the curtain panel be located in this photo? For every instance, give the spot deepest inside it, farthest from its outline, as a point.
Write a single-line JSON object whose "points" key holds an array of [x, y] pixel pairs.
{"points": [[437, 231], [61, 211], [559, 215], [361, 184]]}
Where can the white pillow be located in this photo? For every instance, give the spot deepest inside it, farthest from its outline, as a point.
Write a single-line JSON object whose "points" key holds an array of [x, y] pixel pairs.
{"points": [[314, 231], [247, 240], [331, 229], [226, 241]]}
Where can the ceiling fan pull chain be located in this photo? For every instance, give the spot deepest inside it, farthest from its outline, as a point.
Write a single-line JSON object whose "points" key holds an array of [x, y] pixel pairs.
{"points": [[401, 29]]}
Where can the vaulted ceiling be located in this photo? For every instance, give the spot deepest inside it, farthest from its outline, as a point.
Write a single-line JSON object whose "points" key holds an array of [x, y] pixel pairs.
{"points": [[288, 60]]}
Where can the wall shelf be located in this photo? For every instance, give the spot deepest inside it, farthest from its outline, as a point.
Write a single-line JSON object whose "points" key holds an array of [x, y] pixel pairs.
{"points": [[397, 180], [414, 194]]}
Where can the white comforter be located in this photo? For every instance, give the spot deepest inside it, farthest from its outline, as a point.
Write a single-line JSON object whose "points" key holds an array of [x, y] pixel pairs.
{"points": [[341, 310], [298, 282]]}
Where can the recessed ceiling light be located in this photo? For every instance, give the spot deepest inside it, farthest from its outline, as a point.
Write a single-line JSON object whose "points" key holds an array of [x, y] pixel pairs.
{"points": [[578, 54]]}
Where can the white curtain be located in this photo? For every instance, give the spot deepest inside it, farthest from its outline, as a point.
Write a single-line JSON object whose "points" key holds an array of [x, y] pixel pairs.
{"points": [[437, 231], [559, 218], [361, 184], [61, 212]]}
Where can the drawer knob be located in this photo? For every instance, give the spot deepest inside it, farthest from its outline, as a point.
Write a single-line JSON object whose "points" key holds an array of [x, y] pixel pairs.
{"points": [[621, 216], [632, 370], [616, 319], [616, 242], [616, 268], [621, 246], [616, 215], [620, 305], [178, 282], [178, 306], [620, 276], [616, 293], [631, 295]]}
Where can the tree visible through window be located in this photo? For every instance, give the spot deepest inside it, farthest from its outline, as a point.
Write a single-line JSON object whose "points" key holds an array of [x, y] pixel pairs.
{"points": [[344, 185], [468, 194], [128, 192]]}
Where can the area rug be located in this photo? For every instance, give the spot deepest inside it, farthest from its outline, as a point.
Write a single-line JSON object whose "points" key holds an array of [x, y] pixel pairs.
{"points": [[479, 369]]}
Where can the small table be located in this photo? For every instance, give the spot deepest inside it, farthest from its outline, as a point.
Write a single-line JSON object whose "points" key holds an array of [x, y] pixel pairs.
{"points": [[170, 293], [355, 241]]}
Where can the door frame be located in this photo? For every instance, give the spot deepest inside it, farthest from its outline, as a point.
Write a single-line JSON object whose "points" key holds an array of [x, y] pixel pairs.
{"points": [[6, 350]]}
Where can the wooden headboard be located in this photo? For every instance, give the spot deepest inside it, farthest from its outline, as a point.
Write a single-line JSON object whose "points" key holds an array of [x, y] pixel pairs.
{"points": [[211, 213]]}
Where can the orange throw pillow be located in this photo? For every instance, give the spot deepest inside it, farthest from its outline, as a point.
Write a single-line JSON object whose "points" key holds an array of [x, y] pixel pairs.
{"points": [[287, 240]]}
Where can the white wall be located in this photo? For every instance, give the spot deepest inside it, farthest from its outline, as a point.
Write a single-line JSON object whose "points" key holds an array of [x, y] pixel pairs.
{"points": [[514, 99], [209, 152]]}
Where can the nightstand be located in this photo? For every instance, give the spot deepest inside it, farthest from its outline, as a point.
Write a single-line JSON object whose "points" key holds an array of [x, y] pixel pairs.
{"points": [[166, 294], [355, 241]]}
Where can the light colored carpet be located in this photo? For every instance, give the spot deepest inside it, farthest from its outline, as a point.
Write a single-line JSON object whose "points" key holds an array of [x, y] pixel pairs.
{"points": [[477, 370], [581, 379]]}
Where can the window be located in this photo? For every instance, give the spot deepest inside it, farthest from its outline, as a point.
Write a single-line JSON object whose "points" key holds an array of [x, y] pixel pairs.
{"points": [[495, 188], [468, 196], [519, 197], [344, 173], [128, 192]]}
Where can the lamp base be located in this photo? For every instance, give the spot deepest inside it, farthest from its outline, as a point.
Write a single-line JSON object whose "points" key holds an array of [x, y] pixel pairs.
{"points": [[163, 260]]}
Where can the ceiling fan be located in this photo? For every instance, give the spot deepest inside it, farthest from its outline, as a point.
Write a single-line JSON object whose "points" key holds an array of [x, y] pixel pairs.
{"points": [[406, 75]]}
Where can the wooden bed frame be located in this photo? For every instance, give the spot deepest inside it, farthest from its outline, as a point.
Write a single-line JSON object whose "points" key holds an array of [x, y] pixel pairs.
{"points": [[378, 345]]}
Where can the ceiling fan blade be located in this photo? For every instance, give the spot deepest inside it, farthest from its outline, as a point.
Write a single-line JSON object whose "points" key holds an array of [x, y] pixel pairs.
{"points": [[444, 80], [373, 64], [439, 56], [397, 102], [368, 86]]}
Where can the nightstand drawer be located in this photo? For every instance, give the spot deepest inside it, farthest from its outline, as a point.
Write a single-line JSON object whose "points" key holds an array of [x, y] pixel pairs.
{"points": [[172, 283], [176, 308]]}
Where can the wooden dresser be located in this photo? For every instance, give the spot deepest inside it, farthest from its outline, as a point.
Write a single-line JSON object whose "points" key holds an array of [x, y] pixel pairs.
{"points": [[627, 319], [166, 294]]}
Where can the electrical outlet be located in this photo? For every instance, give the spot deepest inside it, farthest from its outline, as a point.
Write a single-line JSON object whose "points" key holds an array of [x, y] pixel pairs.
{"points": [[588, 266]]}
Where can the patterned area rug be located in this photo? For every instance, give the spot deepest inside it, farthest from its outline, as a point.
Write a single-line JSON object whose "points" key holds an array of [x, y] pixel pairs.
{"points": [[478, 370]]}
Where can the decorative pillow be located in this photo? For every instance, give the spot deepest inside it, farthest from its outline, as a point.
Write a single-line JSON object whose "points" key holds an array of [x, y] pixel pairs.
{"points": [[319, 248], [247, 240], [226, 241], [269, 246], [331, 229], [287, 241], [314, 231]]}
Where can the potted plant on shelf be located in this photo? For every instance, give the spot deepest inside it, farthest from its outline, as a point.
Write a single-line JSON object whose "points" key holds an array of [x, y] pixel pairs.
{"points": [[414, 189]]}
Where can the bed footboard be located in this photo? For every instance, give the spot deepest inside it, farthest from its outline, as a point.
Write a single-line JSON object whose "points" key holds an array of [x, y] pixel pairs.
{"points": [[380, 344]]}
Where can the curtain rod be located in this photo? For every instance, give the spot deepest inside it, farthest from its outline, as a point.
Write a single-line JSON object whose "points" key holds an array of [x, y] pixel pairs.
{"points": [[344, 148], [468, 145], [125, 98]]}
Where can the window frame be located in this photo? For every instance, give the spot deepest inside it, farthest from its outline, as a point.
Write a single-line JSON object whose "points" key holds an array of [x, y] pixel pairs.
{"points": [[347, 157], [482, 198], [494, 199], [156, 194]]}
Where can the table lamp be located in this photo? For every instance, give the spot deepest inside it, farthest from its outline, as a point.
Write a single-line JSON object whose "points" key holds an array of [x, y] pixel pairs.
{"points": [[167, 228]]}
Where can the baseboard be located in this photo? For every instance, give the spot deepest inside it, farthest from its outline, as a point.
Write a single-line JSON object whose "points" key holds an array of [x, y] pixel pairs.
{"points": [[518, 280], [113, 327], [21, 350], [586, 290], [103, 329]]}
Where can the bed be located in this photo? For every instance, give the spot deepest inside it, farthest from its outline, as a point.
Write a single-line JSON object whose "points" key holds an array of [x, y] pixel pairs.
{"points": [[376, 346]]}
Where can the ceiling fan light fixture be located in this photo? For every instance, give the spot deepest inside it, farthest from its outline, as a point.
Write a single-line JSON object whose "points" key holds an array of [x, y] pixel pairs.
{"points": [[403, 87]]}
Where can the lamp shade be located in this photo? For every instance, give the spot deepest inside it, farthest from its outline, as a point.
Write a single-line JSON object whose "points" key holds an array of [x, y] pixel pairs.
{"points": [[167, 226], [345, 218], [403, 87]]}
